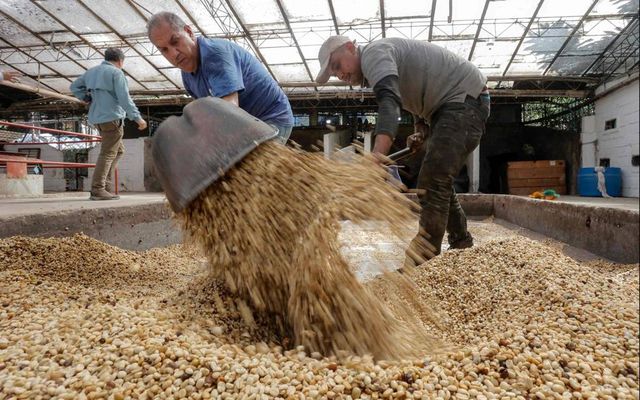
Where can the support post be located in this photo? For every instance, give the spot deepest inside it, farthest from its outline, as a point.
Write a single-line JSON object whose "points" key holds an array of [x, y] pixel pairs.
{"points": [[473, 170]]}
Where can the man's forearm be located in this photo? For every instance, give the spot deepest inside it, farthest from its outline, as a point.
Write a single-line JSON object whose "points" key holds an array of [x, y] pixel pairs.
{"points": [[388, 99], [382, 143], [232, 98]]}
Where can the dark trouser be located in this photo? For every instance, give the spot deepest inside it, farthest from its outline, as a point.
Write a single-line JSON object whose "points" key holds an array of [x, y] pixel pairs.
{"points": [[456, 129], [111, 150]]}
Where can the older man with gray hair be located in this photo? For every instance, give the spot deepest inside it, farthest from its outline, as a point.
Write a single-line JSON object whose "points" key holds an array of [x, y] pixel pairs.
{"points": [[221, 68], [441, 90]]}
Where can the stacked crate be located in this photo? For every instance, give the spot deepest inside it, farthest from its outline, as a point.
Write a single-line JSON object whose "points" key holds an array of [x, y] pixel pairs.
{"points": [[526, 177]]}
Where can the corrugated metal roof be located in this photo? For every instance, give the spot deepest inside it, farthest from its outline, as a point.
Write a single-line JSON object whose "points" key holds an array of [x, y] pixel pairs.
{"points": [[53, 41]]}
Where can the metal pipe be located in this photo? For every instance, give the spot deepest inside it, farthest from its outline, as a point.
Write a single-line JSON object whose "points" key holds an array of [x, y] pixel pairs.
{"points": [[37, 143], [45, 164], [58, 131], [115, 181]]}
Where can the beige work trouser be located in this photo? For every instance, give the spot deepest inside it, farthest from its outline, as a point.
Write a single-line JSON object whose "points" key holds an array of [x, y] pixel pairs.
{"points": [[111, 150]]}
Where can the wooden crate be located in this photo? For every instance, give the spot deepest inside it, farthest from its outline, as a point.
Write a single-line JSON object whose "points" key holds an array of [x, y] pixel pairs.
{"points": [[526, 177]]}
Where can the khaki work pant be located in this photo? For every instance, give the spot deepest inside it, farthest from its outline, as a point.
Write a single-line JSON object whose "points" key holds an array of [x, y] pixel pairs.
{"points": [[111, 150]]}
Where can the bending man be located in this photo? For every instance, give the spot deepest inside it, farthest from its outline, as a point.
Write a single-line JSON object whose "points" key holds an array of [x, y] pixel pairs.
{"points": [[437, 87]]}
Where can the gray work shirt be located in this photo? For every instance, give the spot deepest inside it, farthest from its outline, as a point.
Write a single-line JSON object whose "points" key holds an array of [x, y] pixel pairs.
{"points": [[428, 75]]}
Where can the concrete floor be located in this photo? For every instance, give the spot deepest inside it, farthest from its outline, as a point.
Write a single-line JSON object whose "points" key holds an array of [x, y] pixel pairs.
{"points": [[51, 203], [54, 202], [371, 249]]}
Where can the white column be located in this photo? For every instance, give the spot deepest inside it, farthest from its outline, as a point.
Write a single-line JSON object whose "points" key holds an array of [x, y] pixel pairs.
{"points": [[473, 170], [329, 142], [589, 139], [368, 142]]}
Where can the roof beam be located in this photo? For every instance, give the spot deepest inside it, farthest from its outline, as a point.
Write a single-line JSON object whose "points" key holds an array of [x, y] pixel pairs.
{"points": [[524, 35], [516, 93], [615, 39], [433, 16], [333, 16], [44, 40], [41, 92], [115, 32], [624, 60], [548, 78], [293, 36], [248, 36], [67, 27], [134, 4], [179, 101], [382, 21], [475, 39], [490, 78], [571, 35], [188, 14]]}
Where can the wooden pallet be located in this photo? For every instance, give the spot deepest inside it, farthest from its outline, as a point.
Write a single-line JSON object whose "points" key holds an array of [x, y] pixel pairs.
{"points": [[526, 177]]}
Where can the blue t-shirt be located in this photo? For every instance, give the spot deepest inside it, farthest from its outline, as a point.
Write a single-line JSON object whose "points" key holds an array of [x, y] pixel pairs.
{"points": [[226, 68]]}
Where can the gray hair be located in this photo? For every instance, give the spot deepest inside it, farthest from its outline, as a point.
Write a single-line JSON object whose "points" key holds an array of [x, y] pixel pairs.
{"points": [[113, 54], [176, 23]]}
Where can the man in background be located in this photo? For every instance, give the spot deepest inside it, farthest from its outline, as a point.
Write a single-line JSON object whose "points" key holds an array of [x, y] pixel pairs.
{"points": [[104, 88], [221, 68]]}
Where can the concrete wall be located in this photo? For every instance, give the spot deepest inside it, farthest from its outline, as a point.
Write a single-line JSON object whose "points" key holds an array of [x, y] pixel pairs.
{"points": [[130, 167], [30, 185], [608, 232], [53, 177], [138, 227], [621, 143]]}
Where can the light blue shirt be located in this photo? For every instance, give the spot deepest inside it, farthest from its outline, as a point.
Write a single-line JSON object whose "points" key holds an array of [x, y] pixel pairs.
{"points": [[110, 100]]}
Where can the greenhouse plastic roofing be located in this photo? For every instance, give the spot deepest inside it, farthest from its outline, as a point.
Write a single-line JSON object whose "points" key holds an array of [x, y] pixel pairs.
{"points": [[54, 41]]}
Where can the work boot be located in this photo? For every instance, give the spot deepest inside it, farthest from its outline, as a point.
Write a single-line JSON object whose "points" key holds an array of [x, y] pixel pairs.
{"points": [[463, 243], [419, 251], [109, 187], [102, 194]]}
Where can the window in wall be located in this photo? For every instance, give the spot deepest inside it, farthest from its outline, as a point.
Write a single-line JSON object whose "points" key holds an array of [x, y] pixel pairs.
{"points": [[605, 162], [301, 120], [30, 153], [327, 118], [610, 124], [635, 160]]}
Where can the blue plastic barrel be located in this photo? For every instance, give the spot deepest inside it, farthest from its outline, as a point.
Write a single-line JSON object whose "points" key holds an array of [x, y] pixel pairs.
{"points": [[588, 182]]}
